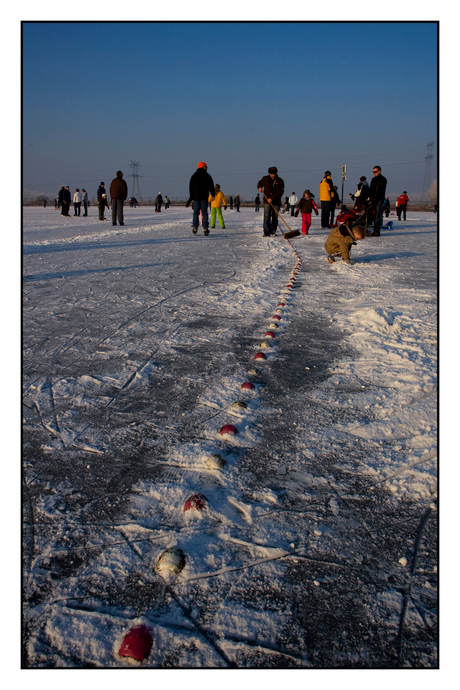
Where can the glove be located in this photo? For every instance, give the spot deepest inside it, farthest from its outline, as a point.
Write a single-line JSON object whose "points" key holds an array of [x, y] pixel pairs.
{"points": [[348, 261], [188, 203], [316, 211], [225, 208], [296, 214]]}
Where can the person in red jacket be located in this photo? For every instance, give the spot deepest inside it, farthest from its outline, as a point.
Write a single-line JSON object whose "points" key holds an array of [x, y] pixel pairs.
{"points": [[402, 205]]}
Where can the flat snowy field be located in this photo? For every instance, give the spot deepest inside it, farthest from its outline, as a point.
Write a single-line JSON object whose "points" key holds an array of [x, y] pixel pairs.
{"points": [[317, 545]]}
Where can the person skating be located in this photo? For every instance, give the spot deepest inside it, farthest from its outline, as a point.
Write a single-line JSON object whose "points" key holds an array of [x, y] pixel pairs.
{"points": [[77, 199], [118, 195], [85, 201], [292, 202], [201, 187], [272, 187], [102, 204], [60, 199], [377, 197], [326, 193], [402, 205], [305, 207], [158, 202], [101, 190], [66, 199], [216, 207]]}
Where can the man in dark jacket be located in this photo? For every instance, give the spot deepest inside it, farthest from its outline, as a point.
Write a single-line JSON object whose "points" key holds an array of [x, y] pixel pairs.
{"points": [[158, 202], [377, 196], [272, 187], [200, 187], [101, 191], [66, 199], [118, 194]]}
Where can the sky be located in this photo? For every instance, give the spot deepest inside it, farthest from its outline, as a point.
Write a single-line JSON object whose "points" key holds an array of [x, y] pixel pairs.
{"points": [[303, 96]]}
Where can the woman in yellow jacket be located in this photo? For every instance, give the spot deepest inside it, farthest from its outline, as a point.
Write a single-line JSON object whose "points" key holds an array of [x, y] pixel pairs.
{"points": [[216, 207]]}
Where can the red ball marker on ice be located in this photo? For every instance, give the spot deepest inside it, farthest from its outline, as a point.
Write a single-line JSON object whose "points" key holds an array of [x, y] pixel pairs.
{"points": [[137, 643], [228, 429], [197, 501], [247, 384]]}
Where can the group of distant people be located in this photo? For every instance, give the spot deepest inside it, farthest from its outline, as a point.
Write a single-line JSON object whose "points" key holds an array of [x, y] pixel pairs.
{"points": [[203, 192], [64, 200], [272, 188], [118, 195]]}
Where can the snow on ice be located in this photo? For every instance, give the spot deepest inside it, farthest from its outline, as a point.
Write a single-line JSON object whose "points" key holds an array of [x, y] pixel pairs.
{"points": [[318, 545]]}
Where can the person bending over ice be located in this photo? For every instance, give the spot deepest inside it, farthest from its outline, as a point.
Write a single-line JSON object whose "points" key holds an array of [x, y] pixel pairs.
{"points": [[341, 239]]}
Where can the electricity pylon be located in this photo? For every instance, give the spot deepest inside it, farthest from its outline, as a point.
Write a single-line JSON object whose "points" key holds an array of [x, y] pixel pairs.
{"points": [[136, 192], [427, 178]]}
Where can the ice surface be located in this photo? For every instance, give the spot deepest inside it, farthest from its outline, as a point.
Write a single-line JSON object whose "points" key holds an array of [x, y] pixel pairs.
{"points": [[136, 342]]}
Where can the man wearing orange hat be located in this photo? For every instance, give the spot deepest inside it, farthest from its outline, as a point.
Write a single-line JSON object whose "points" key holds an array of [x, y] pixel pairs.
{"points": [[201, 187]]}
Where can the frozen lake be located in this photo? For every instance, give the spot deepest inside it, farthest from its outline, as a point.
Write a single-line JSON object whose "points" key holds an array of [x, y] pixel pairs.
{"points": [[317, 546]]}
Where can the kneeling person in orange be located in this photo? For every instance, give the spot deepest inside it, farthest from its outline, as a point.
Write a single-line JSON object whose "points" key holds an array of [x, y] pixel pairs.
{"points": [[216, 207], [339, 241]]}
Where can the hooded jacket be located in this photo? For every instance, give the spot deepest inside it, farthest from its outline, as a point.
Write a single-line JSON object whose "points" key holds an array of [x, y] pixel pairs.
{"points": [[340, 240], [326, 189]]}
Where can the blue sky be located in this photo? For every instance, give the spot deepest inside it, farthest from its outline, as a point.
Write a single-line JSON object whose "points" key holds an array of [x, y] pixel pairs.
{"points": [[305, 97]]}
